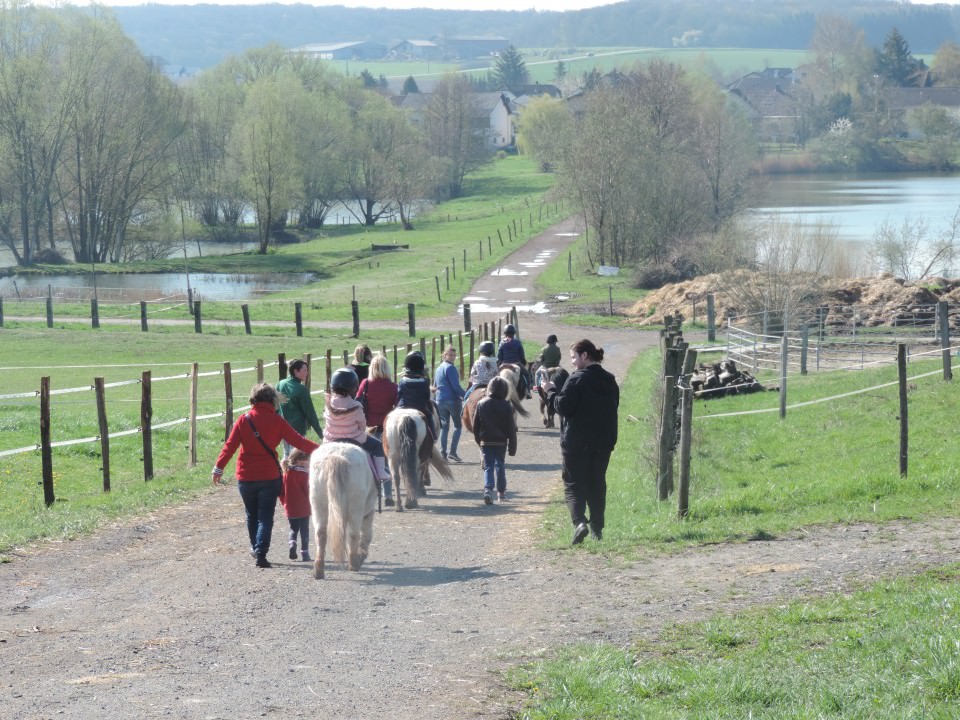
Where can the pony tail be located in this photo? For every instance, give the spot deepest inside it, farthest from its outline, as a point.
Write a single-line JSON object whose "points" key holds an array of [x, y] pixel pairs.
{"points": [[599, 355]]}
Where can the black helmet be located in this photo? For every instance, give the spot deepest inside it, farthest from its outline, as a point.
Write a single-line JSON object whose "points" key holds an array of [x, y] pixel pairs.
{"points": [[414, 362], [486, 348], [345, 380], [510, 330], [551, 339]]}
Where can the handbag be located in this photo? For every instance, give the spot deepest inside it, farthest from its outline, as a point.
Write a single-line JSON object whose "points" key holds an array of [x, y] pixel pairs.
{"points": [[270, 450]]}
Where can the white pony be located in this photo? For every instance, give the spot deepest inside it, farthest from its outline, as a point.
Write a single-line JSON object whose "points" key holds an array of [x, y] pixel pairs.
{"points": [[343, 497], [511, 373], [411, 451]]}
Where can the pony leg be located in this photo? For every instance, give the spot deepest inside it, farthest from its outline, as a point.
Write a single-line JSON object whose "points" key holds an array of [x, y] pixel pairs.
{"points": [[321, 550]]}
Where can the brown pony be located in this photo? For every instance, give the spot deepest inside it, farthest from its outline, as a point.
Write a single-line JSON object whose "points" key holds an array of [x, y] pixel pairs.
{"points": [[508, 372], [410, 451], [558, 376]]}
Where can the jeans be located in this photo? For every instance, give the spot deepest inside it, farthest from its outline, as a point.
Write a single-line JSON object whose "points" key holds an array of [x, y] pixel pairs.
{"points": [[450, 410], [300, 527], [260, 501], [494, 457]]}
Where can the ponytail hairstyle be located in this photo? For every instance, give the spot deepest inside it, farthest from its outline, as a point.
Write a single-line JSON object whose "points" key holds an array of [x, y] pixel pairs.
{"points": [[594, 353]]}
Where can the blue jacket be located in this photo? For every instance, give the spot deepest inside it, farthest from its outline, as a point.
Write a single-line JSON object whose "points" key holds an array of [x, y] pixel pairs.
{"points": [[414, 392], [447, 381], [511, 351]]}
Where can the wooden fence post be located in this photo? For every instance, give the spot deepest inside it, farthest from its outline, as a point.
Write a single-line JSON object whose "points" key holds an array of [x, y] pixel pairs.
{"points": [[464, 260], [228, 400], [711, 318], [481, 249], [94, 313], [1, 311], [466, 316], [281, 366], [194, 382], [436, 279], [259, 371], [500, 237], [329, 359], [355, 313], [104, 431], [446, 271], [46, 454], [298, 318], [49, 311], [146, 424], [197, 318], [412, 319], [686, 433], [396, 360], [143, 316], [245, 309], [453, 262], [784, 357], [904, 425], [308, 359], [943, 315], [460, 351]]}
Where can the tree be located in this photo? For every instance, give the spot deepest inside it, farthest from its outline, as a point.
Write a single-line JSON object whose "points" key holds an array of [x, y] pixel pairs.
{"points": [[510, 71], [940, 132], [451, 126], [896, 63], [946, 64], [559, 71], [544, 130], [268, 161], [410, 86]]}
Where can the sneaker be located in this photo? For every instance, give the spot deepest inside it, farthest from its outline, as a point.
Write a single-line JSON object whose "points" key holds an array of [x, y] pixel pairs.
{"points": [[305, 556], [262, 562], [487, 497], [293, 551], [596, 533], [579, 533], [501, 497], [388, 502], [253, 553], [455, 457]]}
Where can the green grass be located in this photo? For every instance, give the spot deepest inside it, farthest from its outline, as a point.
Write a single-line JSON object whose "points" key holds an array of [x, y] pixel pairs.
{"points": [[888, 651], [755, 476]]}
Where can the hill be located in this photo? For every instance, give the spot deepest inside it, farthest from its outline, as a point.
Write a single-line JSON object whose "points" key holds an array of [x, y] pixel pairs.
{"points": [[201, 36]]}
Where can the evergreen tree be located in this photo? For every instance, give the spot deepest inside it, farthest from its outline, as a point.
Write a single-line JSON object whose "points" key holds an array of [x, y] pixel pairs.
{"points": [[410, 85], [896, 63], [510, 71], [559, 71]]}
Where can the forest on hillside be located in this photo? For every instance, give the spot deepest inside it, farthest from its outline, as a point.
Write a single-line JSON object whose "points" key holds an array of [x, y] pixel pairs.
{"points": [[201, 36]]}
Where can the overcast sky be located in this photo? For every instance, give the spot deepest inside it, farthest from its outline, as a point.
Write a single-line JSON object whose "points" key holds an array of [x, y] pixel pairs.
{"points": [[395, 4]]}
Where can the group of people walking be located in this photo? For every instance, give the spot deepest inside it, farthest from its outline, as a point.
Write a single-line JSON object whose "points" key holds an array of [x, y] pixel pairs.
{"points": [[364, 393]]}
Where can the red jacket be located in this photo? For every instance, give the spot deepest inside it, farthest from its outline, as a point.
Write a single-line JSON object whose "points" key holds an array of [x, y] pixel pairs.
{"points": [[254, 462], [295, 494], [381, 399]]}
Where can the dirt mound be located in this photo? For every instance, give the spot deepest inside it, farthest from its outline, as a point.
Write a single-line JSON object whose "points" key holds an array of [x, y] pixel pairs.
{"points": [[881, 300]]}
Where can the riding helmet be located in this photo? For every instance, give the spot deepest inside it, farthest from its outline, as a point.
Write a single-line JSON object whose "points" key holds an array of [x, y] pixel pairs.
{"points": [[414, 363], [486, 348], [510, 330], [345, 380], [551, 339]]}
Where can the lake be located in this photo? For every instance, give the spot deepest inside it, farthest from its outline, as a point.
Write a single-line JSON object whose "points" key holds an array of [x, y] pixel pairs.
{"points": [[856, 205]]}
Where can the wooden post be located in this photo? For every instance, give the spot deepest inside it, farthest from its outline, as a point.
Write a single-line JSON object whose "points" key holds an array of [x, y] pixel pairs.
{"points": [[298, 318], [245, 309], [436, 279], [143, 316], [460, 352], [446, 271], [500, 237], [46, 454], [610, 292], [672, 366], [308, 359], [104, 431], [489, 246], [481, 249], [346, 358], [711, 318], [329, 369], [472, 345], [228, 400], [49, 311], [194, 383], [396, 361], [197, 318], [464, 266], [944, 319], [570, 265], [686, 433], [259, 371], [804, 347], [433, 353], [466, 316], [784, 357], [904, 425], [146, 424], [453, 262], [411, 320], [1, 311], [514, 226], [94, 313], [281, 366], [355, 313]]}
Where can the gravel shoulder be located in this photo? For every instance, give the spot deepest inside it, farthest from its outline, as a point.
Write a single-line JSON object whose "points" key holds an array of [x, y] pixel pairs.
{"points": [[164, 616]]}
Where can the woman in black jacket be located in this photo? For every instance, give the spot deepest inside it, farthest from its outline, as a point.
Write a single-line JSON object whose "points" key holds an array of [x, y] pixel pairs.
{"points": [[587, 405]]}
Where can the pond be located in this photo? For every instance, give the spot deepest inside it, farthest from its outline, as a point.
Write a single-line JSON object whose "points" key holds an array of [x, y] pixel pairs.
{"points": [[857, 205], [133, 287]]}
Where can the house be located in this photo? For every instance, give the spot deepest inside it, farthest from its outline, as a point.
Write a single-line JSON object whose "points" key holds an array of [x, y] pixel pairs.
{"points": [[415, 50], [492, 115], [769, 98], [465, 47], [360, 50]]}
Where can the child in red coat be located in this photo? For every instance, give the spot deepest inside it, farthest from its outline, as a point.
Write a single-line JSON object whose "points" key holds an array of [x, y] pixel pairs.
{"points": [[295, 497]]}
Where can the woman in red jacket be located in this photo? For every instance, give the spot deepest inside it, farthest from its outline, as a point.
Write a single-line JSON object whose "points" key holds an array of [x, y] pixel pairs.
{"points": [[378, 393], [259, 477]]}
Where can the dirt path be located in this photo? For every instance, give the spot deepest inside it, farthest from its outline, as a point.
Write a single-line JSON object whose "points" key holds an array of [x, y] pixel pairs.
{"points": [[166, 617]]}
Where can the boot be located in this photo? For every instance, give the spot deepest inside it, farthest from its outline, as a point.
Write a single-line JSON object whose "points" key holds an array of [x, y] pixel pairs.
{"points": [[388, 492], [380, 470]]}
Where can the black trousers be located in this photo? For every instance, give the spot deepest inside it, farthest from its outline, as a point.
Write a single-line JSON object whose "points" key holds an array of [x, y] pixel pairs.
{"points": [[585, 486]]}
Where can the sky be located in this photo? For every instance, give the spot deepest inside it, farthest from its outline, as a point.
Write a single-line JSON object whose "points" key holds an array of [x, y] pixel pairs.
{"points": [[393, 4]]}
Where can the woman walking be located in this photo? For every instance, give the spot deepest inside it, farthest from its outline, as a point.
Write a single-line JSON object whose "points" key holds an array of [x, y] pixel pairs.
{"points": [[587, 405]]}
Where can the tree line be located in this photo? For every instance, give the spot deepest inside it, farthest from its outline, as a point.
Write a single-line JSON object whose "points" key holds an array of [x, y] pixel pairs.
{"points": [[99, 148]]}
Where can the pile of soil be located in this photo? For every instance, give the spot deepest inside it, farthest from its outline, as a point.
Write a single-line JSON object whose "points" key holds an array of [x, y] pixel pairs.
{"points": [[879, 300]]}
